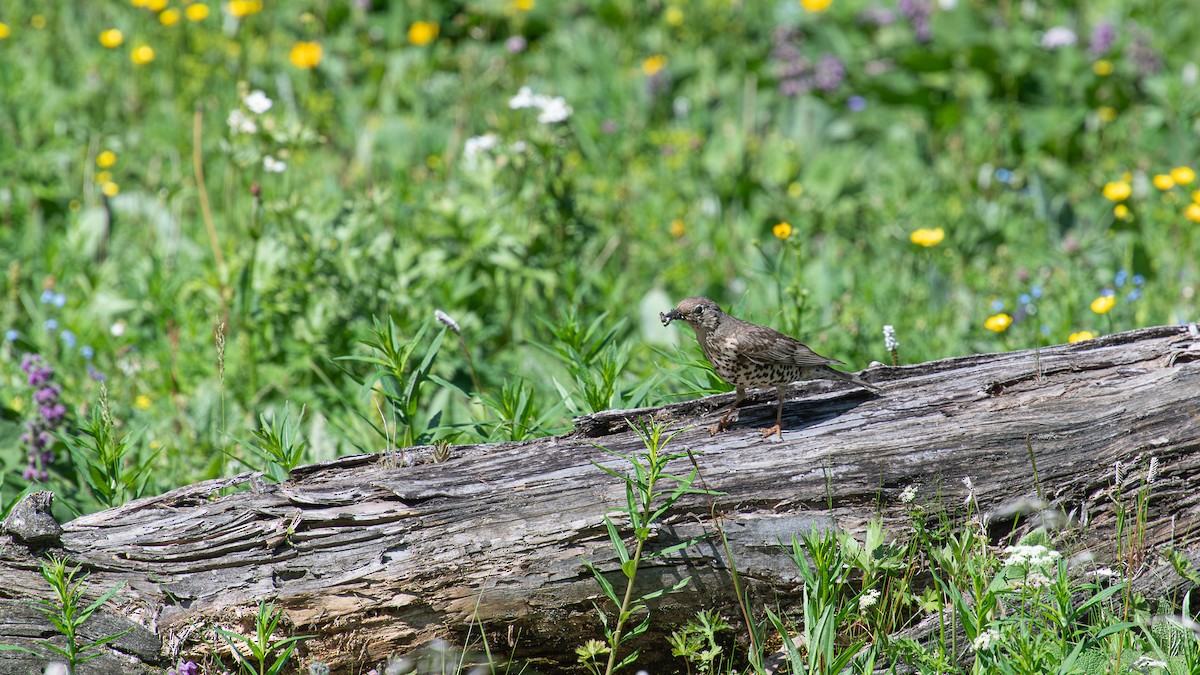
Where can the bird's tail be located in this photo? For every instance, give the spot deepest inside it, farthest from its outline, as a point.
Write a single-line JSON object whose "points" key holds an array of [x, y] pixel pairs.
{"points": [[830, 373]]}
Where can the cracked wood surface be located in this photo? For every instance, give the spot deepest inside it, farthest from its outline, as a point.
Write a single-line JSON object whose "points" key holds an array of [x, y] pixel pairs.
{"points": [[378, 556]]}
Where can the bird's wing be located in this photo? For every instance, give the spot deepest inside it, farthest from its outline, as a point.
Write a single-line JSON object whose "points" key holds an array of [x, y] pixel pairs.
{"points": [[764, 345]]}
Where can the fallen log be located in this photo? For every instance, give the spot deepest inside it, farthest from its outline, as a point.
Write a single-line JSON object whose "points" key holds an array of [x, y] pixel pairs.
{"points": [[380, 554]]}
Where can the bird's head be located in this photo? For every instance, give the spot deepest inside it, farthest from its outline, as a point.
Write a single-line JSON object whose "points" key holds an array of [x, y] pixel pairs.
{"points": [[701, 314]]}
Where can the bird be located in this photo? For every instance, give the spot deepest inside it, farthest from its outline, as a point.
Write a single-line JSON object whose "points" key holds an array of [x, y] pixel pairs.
{"points": [[748, 355]]}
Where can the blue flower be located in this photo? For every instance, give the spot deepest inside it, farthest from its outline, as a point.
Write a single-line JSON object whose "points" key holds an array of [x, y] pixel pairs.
{"points": [[1122, 277], [1045, 329], [997, 305], [856, 103], [1025, 299], [95, 374], [51, 324], [1133, 295], [1108, 292], [47, 296], [1138, 280], [68, 338], [1004, 176], [1036, 291], [59, 300], [87, 351], [11, 335]]}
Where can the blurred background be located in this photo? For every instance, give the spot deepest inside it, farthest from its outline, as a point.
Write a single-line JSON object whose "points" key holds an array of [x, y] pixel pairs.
{"points": [[226, 228]]}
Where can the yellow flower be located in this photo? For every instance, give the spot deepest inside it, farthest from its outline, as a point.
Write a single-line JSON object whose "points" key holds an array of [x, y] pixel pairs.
{"points": [[106, 159], [998, 323], [782, 230], [1081, 335], [1117, 191], [169, 17], [421, 33], [111, 38], [795, 190], [156, 5], [4, 30], [674, 16], [1192, 212], [1182, 175], [243, 8], [196, 12], [138, 3], [141, 55], [38, 21], [524, 5], [142, 402], [1164, 181], [1102, 304], [1121, 211], [653, 64], [305, 55], [677, 228], [927, 237], [1107, 113], [815, 5], [103, 177], [1103, 67], [110, 189]]}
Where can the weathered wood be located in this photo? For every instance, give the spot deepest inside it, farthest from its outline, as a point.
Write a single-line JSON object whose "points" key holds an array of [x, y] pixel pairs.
{"points": [[377, 556]]}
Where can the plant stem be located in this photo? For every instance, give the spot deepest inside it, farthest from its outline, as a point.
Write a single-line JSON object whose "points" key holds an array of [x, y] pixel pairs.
{"points": [[616, 638]]}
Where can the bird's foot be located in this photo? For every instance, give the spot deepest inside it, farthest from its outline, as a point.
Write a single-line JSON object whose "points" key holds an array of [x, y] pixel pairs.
{"points": [[775, 430], [717, 428]]}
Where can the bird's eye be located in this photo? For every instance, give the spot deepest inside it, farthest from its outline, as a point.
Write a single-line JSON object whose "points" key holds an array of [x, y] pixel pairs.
{"points": [[699, 310]]}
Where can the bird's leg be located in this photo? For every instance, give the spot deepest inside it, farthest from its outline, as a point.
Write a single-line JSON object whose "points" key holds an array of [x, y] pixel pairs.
{"points": [[724, 423], [778, 428]]}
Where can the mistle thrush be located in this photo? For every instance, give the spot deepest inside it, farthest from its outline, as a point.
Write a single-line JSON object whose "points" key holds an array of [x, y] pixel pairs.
{"points": [[747, 355]]}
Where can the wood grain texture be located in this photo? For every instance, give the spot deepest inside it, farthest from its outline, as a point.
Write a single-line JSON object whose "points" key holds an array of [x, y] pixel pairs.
{"points": [[377, 555]]}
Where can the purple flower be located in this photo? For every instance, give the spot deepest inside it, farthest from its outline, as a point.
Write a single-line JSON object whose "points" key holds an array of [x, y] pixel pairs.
{"points": [[856, 103], [95, 374], [1103, 37], [917, 12], [829, 73], [185, 668], [609, 127], [516, 44], [51, 413]]}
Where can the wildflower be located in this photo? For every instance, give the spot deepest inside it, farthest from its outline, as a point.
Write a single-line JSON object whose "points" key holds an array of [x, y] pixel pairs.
{"points": [[421, 33], [829, 73], [867, 599], [240, 123], [1103, 573], [1004, 176], [272, 165], [1121, 211], [87, 352], [677, 229], [1032, 556], [445, 319], [889, 338], [1117, 191], [1037, 581], [1081, 336], [525, 98], [970, 485], [169, 17], [856, 104], [4, 30], [68, 338], [1196, 197], [110, 189], [141, 55], [1102, 304], [50, 324], [1106, 113], [305, 55], [258, 102], [673, 16], [555, 110], [11, 335], [51, 414], [142, 402], [515, 44], [1058, 37], [477, 145], [240, 9], [794, 190], [1103, 36], [196, 12], [1164, 181], [985, 640], [783, 230], [927, 237], [653, 64], [106, 159], [156, 5], [1103, 68], [815, 6], [118, 328], [1192, 212], [524, 5], [908, 494], [111, 38], [38, 21], [998, 323], [1183, 175]]}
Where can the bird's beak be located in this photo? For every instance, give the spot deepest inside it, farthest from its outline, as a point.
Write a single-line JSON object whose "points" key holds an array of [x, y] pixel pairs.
{"points": [[669, 317]]}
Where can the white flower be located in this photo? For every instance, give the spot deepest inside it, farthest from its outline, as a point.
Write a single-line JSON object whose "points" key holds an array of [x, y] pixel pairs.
{"points": [[970, 489], [681, 106], [272, 165], [118, 328], [985, 640], [477, 145], [1037, 580], [867, 599], [1058, 37], [1103, 573], [555, 110], [447, 321], [240, 123], [525, 98], [1034, 556], [257, 102], [889, 338], [908, 494], [518, 147]]}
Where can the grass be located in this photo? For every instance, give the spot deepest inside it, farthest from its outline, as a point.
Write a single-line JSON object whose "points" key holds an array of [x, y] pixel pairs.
{"points": [[215, 263]]}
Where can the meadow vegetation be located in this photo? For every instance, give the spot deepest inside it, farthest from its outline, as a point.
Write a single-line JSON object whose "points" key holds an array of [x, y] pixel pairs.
{"points": [[266, 233]]}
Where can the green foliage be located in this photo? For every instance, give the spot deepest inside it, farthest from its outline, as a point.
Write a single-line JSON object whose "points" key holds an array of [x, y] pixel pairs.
{"points": [[103, 457], [268, 655], [277, 445]]}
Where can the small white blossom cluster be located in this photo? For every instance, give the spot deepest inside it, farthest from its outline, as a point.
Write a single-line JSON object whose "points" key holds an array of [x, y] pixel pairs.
{"points": [[985, 640], [1058, 37], [1034, 580], [553, 109], [868, 598], [1103, 573], [1033, 556], [889, 338], [908, 494], [272, 165], [477, 145], [245, 121]]}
